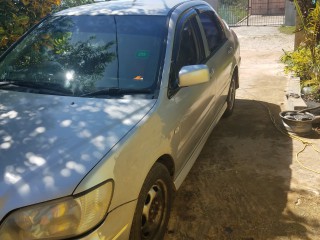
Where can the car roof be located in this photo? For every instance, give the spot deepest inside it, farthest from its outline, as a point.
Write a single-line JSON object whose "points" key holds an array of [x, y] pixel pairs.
{"points": [[126, 7]]}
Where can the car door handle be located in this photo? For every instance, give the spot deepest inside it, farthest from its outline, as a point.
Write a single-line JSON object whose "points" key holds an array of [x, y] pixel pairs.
{"points": [[230, 50]]}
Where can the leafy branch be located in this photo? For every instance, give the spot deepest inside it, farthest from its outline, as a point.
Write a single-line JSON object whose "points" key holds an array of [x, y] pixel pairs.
{"points": [[305, 61]]}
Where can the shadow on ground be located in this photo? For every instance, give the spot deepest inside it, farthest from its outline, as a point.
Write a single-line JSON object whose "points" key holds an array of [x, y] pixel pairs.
{"points": [[239, 185]]}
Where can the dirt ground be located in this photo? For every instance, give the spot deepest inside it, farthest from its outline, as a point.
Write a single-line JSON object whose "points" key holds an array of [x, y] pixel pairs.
{"points": [[246, 183]]}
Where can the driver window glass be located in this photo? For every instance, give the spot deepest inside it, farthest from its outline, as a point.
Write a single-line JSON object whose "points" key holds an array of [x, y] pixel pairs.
{"points": [[187, 47], [187, 54]]}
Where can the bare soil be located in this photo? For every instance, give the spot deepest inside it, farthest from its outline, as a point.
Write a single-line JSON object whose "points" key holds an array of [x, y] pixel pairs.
{"points": [[246, 183]]}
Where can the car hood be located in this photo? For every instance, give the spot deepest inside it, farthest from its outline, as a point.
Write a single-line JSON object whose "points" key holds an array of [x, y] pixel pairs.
{"points": [[49, 143]]}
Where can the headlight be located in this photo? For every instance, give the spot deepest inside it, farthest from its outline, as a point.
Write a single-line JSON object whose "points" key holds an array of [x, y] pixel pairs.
{"points": [[63, 218]]}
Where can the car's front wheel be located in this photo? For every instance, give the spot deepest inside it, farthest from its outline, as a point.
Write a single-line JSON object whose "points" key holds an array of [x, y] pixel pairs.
{"points": [[154, 204], [231, 97]]}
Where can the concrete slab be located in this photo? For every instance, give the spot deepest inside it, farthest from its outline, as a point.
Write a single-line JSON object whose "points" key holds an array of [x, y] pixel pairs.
{"points": [[293, 100]]}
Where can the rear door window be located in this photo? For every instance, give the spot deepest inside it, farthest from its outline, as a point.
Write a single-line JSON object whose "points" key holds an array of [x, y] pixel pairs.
{"points": [[213, 30]]}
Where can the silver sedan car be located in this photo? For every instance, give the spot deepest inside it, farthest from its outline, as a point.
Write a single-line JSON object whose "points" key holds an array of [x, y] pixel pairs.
{"points": [[104, 109]]}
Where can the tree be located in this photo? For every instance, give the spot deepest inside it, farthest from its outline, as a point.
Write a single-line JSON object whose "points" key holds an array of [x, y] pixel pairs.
{"points": [[304, 62], [17, 16], [304, 7]]}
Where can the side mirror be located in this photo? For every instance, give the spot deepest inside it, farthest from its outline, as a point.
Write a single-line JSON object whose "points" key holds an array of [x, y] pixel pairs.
{"points": [[193, 75]]}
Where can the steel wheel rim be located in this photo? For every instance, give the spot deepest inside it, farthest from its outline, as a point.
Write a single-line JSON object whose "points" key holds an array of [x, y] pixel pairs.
{"points": [[154, 210]]}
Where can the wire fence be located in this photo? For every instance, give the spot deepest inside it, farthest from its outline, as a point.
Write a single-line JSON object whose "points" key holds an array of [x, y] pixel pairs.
{"points": [[252, 12]]}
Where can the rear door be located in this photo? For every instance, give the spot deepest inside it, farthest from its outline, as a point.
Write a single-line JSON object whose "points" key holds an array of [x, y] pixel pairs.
{"points": [[219, 53]]}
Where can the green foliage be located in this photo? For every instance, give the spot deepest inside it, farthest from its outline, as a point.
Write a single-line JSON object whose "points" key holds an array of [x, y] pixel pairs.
{"points": [[305, 61], [301, 64], [304, 6], [17, 16], [308, 12], [287, 29]]}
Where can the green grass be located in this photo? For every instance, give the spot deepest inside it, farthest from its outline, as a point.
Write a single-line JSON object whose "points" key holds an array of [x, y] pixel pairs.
{"points": [[287, 29]]}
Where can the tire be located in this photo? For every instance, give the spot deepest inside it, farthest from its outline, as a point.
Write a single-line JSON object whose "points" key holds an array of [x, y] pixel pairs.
{"points": [[231, 98], [154, 205]]}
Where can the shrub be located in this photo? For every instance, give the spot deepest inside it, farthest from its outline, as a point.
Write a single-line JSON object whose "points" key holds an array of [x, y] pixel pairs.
{"points": [[305, 61], [300, 63]]}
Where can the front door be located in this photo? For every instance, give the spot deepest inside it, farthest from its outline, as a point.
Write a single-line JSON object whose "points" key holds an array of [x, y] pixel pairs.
{"points": [[192, 103]]}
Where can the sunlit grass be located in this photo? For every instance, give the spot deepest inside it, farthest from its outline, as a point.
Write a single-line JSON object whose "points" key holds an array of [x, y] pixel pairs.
{"points": [[287, 29]]}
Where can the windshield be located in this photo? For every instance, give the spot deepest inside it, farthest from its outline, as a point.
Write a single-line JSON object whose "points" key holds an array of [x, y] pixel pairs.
{"points": [[88, 54]]}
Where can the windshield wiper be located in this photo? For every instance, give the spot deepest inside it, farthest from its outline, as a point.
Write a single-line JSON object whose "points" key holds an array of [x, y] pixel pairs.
{"points": [[117, 91], [41, 87]]}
